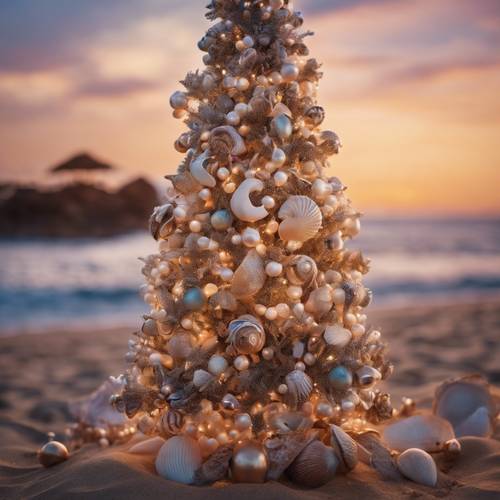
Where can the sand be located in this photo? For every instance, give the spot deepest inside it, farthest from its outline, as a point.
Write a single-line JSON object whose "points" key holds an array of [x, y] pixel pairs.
{"points": [[41, 373]]}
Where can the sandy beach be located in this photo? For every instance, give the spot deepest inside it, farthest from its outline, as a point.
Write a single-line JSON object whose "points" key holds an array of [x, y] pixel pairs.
{"points": [[40, 373]]}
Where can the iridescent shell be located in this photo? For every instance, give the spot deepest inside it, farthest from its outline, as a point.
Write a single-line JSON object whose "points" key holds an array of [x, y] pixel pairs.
{"points": [[178, 459], [302, 270], [224, 300], [246, 335], [418, 466], [301, 218], [248, 58], [299, 387], [249, 277], [161, 222], [366, 376]]}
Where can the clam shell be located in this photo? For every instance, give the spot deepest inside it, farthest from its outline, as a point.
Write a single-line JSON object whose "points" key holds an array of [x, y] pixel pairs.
{"points": [[161, 222], [458, 399], [299, 387], [345, 447], [337, 336], [148, 446], [314, 466], [199, 172], [178, 459], [180, 345], [302, 270], [170, 423], [229, 136], [249, 277], [301, 218], [246, 335], [418, 466], [427, 432]]}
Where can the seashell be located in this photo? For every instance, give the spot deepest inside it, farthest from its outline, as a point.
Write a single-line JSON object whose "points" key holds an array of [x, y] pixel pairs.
{"points": [[216, 467], [198, 170], [178, 459], [281, 109], [427, 432], [457, 400], [242, 206], [282, 126], [282, 450], [345, 448], [226, 138], [302, 270], [299, 386], [320, 301], [301, 219], [150, 328], [336, 184], [248, 58], [202, 378], [329, 142], [52, 453], [224, 300], [314, 466], [315, 115], [162, 222], [249, 277], [230, 402], [418, 466], [148, 446], [286, 422], [170, 422], [246, 334], [366, 376], [260, 106], [180, 345], [337, 336], [183, 143]]}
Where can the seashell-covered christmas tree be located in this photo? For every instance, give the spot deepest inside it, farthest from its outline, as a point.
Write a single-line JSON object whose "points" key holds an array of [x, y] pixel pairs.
{"points": [[256, 354]]}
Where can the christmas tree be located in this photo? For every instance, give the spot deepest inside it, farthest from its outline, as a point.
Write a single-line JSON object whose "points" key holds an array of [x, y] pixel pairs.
{"points": [[256, 355]]}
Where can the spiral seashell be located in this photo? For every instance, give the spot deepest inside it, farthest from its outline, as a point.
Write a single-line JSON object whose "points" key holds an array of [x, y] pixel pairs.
{"points": [[246, 334], [314, 466], [161, 222], [182, 144], [249, 277], [170, 423], [302, 270], [345, 448], [418, 466], [242, 206], [315, 115], [301, 219], [299, 386], [199, 172], [225, 140], [180, 345], [178, 459]]}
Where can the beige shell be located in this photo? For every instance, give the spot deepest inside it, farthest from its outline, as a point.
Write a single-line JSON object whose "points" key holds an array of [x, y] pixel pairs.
{"points": [[302, 270], [230, 138], [149, 446], [345, 447], [246, 335], [299, 387], [301, 218], [180, 345], [427, 432], [241, 205], [337, 336], [320, 301], [315, 465], [198, 170], [178, 459], [418, 466], [249, 277]]}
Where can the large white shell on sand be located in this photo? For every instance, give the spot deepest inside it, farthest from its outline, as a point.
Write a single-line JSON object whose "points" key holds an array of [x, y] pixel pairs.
{"points": [[178, 459], [301, 218], [242, 206], [467, 404], [427, 432], [299, 386], [418, 466], [249, 277], [199, 172]]}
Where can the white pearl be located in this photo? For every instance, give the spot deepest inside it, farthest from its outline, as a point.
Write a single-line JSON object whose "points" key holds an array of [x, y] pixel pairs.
{"points": [[272, 226], [217, 364], [241, 108], [357, 330], [280, 178], [309, 359], [260, 309], [271, 313], [187, 323], [332, 276], [268, 202], [282, 388], [283, 310], [243, 422], [261, 249], [226, 274], [236, 239], [298, 310], [210, 289], [242, 84], [268, 353], [205, 194], [300, 366], [223, 173], [244, 130], [179, 213], [274, 269], [275, 78], [230, 187], [233, 118], [248, 41], [279, 157], [195, 226], [240, 45], [294, 292], [289, 72], [320, 189], [250, 237], [338, 296], [324, 409], [203, 242], [241, 363], [262, 80]]}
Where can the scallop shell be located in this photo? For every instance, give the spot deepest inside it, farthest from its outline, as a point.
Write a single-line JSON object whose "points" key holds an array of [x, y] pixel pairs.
{"points": [[178, 459], [427, 432], [299, 386], [198, 170], [302, 270], [246, 335], [149, 446], [249, 277], [301, 219], [418, 466], [315, 465], [226, 139], [170, 423], [345, 447], [161, 222], [320, 301], [337, 336], [180, 345], [457, 400]]}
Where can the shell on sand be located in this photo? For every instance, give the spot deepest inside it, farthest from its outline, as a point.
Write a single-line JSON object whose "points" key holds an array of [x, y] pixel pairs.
{"points": [[249, 277], [345, 447], [419, 466], [178, 459], [427, 432], [478, 424], [301, 218]]}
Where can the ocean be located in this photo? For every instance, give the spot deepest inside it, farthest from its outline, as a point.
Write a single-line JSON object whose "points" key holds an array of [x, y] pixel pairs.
{"points": [[88, 283]]}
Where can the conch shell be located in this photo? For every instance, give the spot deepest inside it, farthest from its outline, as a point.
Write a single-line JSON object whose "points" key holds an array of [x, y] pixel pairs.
{"points": [[242, 206], [246, 334], [249, 277], [299, 387], [225, 141], [302, 270], [199, 172], [301, 219]]}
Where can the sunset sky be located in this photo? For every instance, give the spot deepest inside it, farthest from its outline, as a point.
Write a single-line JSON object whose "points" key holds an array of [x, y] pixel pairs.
{"points": [[411, 86]]}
